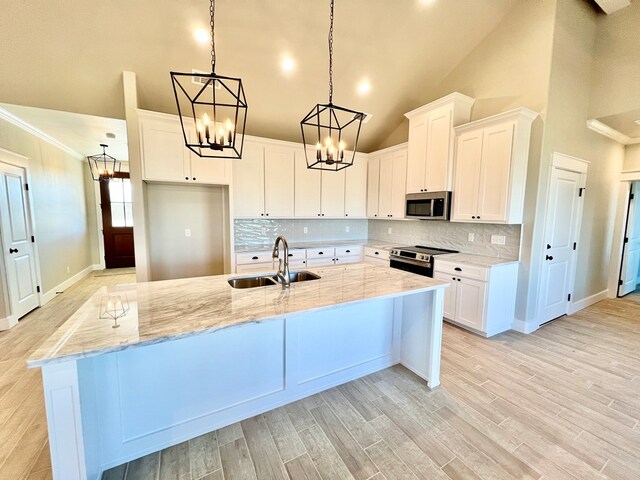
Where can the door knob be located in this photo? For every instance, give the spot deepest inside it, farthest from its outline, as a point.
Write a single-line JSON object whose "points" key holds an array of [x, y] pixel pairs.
{"points": [[549, 257], [13, 250]]}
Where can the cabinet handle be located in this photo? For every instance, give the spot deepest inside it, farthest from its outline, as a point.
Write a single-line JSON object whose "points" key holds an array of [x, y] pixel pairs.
{"points": [[13, 250], [549, 257], [290, 255], [376, 253], [548, 246], [348, 251], [320, 253], [254, 258], [458, 269]]}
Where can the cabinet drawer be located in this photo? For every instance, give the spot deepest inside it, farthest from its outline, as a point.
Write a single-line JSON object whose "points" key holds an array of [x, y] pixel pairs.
{"points": [[355, 250], [321, 253], [297, 254], [461, 270], [376, 253], [296, 265], [248, 258]]}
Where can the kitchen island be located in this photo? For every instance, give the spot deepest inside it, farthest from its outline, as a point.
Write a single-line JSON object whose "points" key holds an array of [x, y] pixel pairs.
{"points": [[193, 355]]}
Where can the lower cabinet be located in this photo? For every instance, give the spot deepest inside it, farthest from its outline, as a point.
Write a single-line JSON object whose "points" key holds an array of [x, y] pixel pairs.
{"points": [[376, 256], [299, 258], [480, 299]]}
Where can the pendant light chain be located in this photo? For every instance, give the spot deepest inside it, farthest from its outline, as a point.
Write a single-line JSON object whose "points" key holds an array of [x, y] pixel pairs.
{"points": [[212, 12], [331, 56]]}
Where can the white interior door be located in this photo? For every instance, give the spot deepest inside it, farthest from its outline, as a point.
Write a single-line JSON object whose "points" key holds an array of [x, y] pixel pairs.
{"points": [[16, 241], [631, 255], [561, 231]]}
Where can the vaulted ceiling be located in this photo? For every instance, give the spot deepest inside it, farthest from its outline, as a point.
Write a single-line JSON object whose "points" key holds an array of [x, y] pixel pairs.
{"points": [[69, 55]]}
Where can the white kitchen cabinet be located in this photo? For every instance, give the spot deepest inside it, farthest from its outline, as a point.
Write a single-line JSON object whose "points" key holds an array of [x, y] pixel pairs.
{"points": [[279, 165], [481, 299], [333, 189], [393, 176], [376, 256], [255, 262], [491, 167], [248, 182], [307, 188], [431, 142], [373, 187], [355, 194], [165, 158]]}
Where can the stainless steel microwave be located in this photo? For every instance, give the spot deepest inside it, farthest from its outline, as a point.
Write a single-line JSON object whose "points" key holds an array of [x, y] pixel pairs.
{"points": [[428, 206]]}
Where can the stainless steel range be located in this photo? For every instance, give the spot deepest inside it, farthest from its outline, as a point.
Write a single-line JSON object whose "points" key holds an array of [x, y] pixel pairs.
{"points": [[417, 259]]}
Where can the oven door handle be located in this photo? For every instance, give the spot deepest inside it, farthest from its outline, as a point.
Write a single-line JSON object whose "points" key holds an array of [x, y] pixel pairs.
{"points": [[410, 261]]}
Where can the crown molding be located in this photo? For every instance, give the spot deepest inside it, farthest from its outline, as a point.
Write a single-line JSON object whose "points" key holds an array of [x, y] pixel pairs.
{"points": [[27, 127], [599, 127], [521, 114], [455, 97]]}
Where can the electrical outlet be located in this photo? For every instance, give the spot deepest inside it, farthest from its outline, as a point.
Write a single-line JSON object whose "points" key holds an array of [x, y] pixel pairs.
{"points": [[264, 231], [498, 239], [471, 237], [187, 232], [389, 230], [306, 230], [346, 229], [68, 269]]}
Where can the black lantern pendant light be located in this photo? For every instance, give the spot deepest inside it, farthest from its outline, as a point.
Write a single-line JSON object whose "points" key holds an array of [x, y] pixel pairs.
{"points": [[331, 128], [217, 106], [103, 166]]}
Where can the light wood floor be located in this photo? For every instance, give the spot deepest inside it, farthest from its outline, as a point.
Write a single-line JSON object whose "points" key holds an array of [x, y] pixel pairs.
{"points": [[562, 403]]}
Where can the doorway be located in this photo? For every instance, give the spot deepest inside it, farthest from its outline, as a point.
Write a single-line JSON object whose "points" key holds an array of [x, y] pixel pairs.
{"points": [[117, 221], [18, 241], [562, 230], [629, 278]]}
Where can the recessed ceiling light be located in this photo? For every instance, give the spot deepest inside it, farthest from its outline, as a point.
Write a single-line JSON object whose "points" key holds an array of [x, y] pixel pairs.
{"points": [[364, 87], [287, 64], [201, 35]]}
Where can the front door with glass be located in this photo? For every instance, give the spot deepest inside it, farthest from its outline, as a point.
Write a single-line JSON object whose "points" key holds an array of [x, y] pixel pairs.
{"points": [[117, 221]]}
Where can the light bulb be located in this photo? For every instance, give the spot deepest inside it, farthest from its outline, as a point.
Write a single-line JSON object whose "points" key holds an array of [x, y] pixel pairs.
{"points": [[328, 142], [318, 146], [229, 125], [206, 119], [341, 145]]}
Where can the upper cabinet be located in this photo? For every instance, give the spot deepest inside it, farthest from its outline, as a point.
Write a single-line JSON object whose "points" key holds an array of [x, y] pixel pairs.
{"points": [[491, 167], [431, 142], [165, 158], [264, 181], [386, 181]]}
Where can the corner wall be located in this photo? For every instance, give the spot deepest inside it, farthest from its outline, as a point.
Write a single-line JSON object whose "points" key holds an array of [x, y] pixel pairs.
{"points": [[57, 191]]}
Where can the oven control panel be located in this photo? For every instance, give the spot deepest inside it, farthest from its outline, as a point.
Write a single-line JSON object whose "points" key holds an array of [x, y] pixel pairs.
{"points": [[414, 255]]}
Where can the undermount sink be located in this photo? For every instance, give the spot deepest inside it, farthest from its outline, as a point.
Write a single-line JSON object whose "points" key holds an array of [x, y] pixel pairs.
{"points": [[267, 280], [301, 276], [251, 282]]}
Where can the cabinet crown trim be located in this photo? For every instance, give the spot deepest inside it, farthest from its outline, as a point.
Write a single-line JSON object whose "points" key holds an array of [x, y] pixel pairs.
{"points": [[394, 148], [522, 114], [455, 97]]}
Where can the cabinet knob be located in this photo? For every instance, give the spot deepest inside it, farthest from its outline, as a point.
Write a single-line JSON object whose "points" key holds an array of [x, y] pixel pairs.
{"points": [[548, 246], [318, 214], [186, 178], [346, 214], [376, 215], [13, 250], [549, 257], [194, 178], [458, 279], [453, 278], [267, 214], [478, 217], [473, 217], [262, 214]]}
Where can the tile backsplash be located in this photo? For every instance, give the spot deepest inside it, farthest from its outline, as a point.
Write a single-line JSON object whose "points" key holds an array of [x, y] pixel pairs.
{"points": [[262, 231], [453, 236]]}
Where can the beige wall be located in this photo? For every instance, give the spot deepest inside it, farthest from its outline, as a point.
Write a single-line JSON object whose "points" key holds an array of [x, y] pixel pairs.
{"points": [[616, 66], [173, 208], [565, 132], [508, 69], [632, 157], [58, 195]]}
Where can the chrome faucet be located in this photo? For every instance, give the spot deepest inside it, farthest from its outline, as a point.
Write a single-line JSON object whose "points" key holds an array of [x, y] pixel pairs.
{"points": [[283, 266]]}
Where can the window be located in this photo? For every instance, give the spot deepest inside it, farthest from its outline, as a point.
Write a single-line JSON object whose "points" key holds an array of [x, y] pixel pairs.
{"points": [[121, 206]]}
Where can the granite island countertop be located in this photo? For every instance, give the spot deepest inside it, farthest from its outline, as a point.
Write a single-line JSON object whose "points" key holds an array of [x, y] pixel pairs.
{"points": [[172, 309]]}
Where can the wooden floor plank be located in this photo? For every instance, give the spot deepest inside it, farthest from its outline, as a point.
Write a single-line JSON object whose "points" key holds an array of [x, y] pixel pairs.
{"points": [[236, 461]]}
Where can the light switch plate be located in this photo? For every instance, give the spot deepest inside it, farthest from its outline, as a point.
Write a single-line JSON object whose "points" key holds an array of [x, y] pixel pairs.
{"points": [[346, 229], [471, 237], [389, 230], [305, 230], [498, 239], [187, 232]]}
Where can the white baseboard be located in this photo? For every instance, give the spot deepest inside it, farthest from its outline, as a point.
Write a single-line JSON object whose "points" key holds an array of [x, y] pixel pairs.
{"points": [[522, 326], [585, 302], [51, 294], [7, 323]]}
